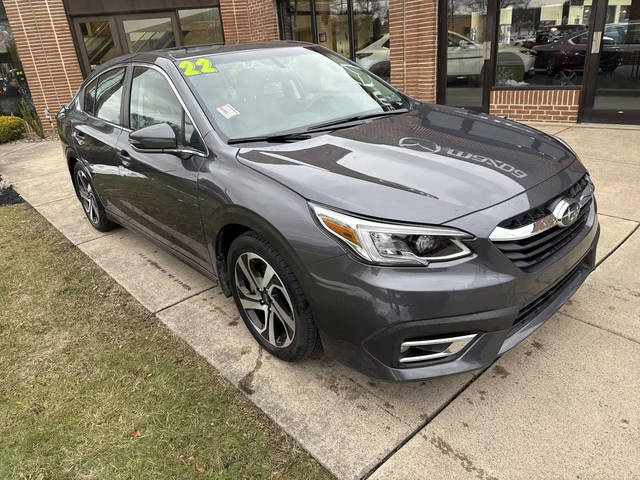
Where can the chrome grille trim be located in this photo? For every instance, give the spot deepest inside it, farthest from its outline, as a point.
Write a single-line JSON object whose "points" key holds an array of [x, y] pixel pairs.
{"points": [[501, 234]]}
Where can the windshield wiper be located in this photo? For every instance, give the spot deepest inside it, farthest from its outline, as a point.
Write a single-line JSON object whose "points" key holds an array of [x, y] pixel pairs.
{"points": [[278, 137], [355, 118]]}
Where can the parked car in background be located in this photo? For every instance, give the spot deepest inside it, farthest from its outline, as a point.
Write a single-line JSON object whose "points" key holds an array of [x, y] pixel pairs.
{"points": [[411, 240], [464, 57], [375, 57], [566, 56]]}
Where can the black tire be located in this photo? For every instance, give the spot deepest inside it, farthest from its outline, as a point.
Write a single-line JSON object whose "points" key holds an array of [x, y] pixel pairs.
{"points": [[305, 336], [91, 204]]}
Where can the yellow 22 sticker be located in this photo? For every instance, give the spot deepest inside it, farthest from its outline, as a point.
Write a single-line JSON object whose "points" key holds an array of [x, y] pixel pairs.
{"points": [[189, 68]]}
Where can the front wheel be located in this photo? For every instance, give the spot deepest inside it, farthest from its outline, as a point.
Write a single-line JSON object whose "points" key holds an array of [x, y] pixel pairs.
{"points": [[270, 298]]}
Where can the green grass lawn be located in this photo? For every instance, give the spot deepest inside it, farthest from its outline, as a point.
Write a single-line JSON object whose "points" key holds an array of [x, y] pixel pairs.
{"points": [[92, 386]]}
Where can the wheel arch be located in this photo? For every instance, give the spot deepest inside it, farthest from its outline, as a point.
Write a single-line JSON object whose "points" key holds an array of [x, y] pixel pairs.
{"points": [[237, 220]]}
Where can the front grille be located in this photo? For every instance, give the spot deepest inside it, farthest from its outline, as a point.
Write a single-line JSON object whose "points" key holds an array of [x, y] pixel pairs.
{"points": [[539, 212], [543, 300], [529, 253]]}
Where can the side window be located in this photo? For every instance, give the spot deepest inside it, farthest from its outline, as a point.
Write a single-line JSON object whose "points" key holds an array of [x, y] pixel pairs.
{"points": [[90, 97], [153, 101], [109, 95]]}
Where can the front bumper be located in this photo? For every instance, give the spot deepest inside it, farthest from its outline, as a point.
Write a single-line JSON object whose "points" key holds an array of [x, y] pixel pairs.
{"points": [[366, 312]]}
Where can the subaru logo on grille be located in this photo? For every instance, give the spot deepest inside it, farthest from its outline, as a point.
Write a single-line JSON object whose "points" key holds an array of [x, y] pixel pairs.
{"points": [[566, 211]]}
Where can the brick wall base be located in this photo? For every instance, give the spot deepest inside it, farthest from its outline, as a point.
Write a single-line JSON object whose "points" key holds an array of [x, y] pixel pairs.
{"points": [[46, 51], [536, 105]]}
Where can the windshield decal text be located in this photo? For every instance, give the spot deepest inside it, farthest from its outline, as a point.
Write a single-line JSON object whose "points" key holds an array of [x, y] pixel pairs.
{"points": [[189, 68]]}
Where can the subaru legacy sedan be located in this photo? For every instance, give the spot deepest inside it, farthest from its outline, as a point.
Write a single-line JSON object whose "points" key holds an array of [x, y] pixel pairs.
{"points": [[409, 240]]}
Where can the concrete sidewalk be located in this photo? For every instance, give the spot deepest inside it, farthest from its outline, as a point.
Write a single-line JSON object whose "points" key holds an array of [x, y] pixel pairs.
{"points": [[563, 404]]}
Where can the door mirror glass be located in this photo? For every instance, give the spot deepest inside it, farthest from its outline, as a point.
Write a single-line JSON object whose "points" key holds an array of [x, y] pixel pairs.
{"points": [[156, 137]]}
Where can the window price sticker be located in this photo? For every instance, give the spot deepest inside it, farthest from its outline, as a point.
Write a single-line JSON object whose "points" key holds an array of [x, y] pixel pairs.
{"points": [[227, 111]]}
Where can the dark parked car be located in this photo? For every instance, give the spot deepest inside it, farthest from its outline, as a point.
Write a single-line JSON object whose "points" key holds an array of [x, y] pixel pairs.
{"points": [[566, 56], [411, 240]]}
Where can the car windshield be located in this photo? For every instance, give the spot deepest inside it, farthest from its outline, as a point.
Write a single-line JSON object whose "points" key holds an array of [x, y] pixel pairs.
{"points": [[264, 92]]}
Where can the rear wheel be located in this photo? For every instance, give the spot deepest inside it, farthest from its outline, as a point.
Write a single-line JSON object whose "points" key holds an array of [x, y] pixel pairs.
{"points": [[270, 298], [93, 208]]}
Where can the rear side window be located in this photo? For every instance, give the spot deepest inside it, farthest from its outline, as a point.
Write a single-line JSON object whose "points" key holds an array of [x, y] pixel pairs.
{"points": [[108, 95], [153, 101], [90, 97]]}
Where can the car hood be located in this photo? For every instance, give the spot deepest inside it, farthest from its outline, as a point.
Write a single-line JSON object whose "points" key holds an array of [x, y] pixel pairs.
{"points": [[431, 165]]}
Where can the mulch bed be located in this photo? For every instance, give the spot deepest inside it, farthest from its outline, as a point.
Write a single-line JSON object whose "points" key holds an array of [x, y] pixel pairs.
{"points": [[8, 196]]}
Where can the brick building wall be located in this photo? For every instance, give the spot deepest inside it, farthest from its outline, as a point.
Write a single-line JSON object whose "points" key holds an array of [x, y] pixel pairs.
{"points": [[249, 20], [413, 29], [536, 105], [47, 53]]}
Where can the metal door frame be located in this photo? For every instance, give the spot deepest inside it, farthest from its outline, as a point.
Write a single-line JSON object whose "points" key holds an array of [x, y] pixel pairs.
{"points": [[592, 67]]}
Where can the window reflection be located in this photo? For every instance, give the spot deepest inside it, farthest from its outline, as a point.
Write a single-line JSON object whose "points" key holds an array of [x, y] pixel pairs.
{"points": [[542, 42], [371, 32], [200, 26], [332, 20], [298, 21], [466, 20], [618, 80], [149, 34], [98, 42]]}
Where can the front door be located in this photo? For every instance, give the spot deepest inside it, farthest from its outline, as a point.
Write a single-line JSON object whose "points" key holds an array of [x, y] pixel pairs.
{"points": [[612, 91], [159, 190]]}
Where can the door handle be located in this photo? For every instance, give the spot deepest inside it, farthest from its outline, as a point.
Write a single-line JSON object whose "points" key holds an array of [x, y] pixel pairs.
{"points": [[125, 158]]}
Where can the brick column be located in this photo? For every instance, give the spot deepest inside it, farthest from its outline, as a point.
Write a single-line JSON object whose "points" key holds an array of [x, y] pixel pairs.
{"points": [[249, 20], [413, 28], [46, 51]]}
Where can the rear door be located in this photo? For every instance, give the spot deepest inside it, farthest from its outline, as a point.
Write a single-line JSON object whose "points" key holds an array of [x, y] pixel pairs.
{"points": [[159, 192], [96, 129]]}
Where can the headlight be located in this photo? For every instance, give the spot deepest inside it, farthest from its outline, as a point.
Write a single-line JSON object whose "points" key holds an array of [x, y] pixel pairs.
{"points": [[389, 244]]}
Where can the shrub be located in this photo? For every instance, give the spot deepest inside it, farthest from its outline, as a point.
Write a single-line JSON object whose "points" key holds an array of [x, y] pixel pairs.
{"points": [[31, 118], [11, 128]]}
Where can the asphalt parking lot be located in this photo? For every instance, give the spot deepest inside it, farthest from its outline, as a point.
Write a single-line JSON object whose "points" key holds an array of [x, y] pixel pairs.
{"points": [[563, 404]]}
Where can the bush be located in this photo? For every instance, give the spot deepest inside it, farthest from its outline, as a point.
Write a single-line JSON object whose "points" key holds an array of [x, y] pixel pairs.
{"points": [[31, 118], [11, 128]]}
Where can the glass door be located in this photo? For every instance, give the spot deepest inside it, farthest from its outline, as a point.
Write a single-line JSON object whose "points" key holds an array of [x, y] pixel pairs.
{"points": [[465, 57], [612, 94]]}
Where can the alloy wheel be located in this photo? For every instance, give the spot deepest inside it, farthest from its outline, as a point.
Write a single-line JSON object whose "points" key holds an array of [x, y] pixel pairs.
{"points": [[87, 197], [265, 300]]}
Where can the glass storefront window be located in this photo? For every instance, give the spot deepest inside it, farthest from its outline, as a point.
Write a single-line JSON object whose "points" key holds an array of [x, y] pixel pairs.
{"points": [[13, 85], [542, 42], [618, 77], [371, 35], [332, 20], [200, 25], [465, 63], [98, 42], [299, 16], [146, 34]]}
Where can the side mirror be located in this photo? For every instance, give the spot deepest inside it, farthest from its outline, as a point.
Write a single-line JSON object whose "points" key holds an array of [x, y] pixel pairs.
{"points": [[463, 44], [154, 138]]}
